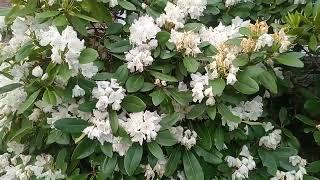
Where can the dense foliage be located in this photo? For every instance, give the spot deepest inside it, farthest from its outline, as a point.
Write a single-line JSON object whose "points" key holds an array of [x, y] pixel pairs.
{"points": [[160, 89]]}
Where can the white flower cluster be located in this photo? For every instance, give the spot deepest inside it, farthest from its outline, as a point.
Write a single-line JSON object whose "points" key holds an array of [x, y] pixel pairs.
{"points": [[194, 8], [18, 166], [2, 26], [247, 111], [77, 91], [200, 89], [220, 34], [243, 166], [67, 39], [186, 42], [142, 126], [20, 36], [272, 140], [158, 169], [143, 32], [101, 130], [108, 93], [298, 174], [187, 137], [229, 3]]}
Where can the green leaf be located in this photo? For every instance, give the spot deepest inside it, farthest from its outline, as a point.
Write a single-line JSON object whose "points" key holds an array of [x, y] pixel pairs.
{"points": [[132, 159], [84, 17], [196, 111], [312, 106], [305, 120], [173, 162], [246, 84], [61, 159], [147, 87], [268, 81], [290, 59], [133, 104], [127, 5], [134, 83], [156, 150], [313, 167], [313, 43], [108, 165], [169, 120], [106, 148], [227, 114], [268, 161], [114, 121], [182, 98], [71, 125], [192, 26], [120, 46], [25, 105], [24, 51], [163, 37], [60, 21], [241, 60], [157, 96], [9, 87], [192, 167], [165, 138], [114, 28], [218, 86], [245, 31], [212, 111], [219, 138], [191, 64], [88, 55], [87, 106], [121, 74], [316, 136], [50, 97], [207, 156], [84, 149], [162, 76], [46, 14]]}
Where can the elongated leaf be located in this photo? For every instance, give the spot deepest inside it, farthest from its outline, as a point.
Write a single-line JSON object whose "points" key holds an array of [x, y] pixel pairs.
{"points": [[165, 138], [196, 111], [114, 121], [9, 87], [134, 83], [246, 84], [268, 81], [290, 59], [84, 149], [88, 55], [173, 162], [192, 167], [182, 98], [28, 102], [157, 97], [108, 165], [155, 150], [132, 159], [163, 77], [191, 64], [169, 120], [133, 104], [127, 5], [208, 156], [71, 125], [227, 114]]}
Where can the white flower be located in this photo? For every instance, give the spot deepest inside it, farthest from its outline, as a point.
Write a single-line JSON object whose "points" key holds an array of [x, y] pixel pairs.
{"points": [[15, 147], [243, 165], [278, 72], [186, 42], [142, 30], [77, 91], [120, 146], [113, 3], [293, 174], [272, 140], [267, 126], [142, 126], [148, 172], [194, 8], [159, 168], [35, 115], [172, 18], [101, 128], [199, 84], [187, 137], [89, 70], [37, 71], [249, 110], [264, 40], [137, 59], [108, 93]]}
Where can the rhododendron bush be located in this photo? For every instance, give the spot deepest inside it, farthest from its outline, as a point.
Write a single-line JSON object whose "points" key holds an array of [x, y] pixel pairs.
{"points": [[157, 89]]}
